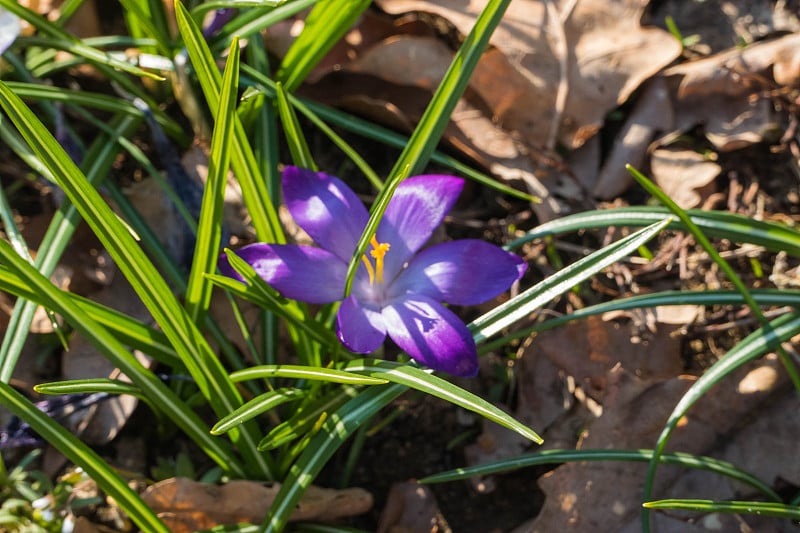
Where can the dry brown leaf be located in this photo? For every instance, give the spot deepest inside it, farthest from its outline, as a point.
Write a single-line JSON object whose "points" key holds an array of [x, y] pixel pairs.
{"points": [[684, 175], [721, 92], [634, 413], [608, 54], [101, 423], [186, 505], [411, 508], [651, 114], [588, 349]]}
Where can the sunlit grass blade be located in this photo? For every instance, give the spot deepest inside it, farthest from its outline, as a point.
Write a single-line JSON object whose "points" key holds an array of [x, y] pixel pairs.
{"points": [[422, 380], [84, 386], [301, 154], [426, 135], [546, 290], [80, 454], [752, 347], [111, 348], [724, 266], [260, 293], [764, 297], [256, 19], [255, 407], [91, 100], [99, 160], [338, 426], [548, 457], [776, 510], [308, 415], [327, 22], [194, 351], [330, 375], [718, 224], [209, 228], [72, 44], [254, 190]]}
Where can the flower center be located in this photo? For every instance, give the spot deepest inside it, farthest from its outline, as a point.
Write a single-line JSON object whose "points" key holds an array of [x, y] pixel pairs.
{"points": [[379, 249]]}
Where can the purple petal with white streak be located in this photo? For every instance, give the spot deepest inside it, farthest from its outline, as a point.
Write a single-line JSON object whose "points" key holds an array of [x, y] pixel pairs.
{"points": [[464, 272], [302, 273], [359, 327], [417, 208], [431, 334], [326, 208]]}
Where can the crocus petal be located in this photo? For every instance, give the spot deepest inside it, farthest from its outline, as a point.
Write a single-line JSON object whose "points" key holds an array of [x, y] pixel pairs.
{"points": [[302, 273], [431, 334], [326, 208], [414, 212], [465, 272], [360, 327]]}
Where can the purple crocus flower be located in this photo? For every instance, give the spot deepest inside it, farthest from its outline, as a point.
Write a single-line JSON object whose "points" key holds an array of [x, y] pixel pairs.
{"points": [[400, 287]]}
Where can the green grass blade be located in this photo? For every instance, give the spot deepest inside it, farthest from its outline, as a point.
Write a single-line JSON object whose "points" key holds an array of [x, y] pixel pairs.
{"points": [[548, 457], [255, 407], [330, 375], [752, 347], [764, 297], [209, 229], [112, 349], [306, 417], [193, 349], [433, 122], [776, 510], [546, 290], [327, 22], [80, 454], [301, 154], [731, 226], [99, 159], [705, 243], [84, 386], [72, 44], [426, 382], [335, 430], [127, 330], [254, 191]]}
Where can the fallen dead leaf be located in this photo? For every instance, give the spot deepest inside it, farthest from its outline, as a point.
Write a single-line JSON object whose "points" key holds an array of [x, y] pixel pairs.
{"points": [[411, 508], [634, 412], [684, 175], [186, 505], [606, 51]]}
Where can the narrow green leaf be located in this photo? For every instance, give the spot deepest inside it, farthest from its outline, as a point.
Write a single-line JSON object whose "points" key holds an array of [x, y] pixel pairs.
{"points": [[209, 229], [258, 405], [194, 351], [331, 375], [72, 44], [426, 382], [777, 510], [83, 386], [752, 347], [80, 454], [111, 348], [723, 225], [765, 297], [548, 457], [256, 195], [546, 290], [327, 22], [335, 430], [301, 154]]}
